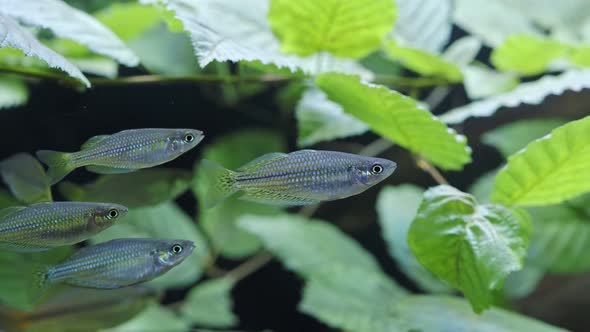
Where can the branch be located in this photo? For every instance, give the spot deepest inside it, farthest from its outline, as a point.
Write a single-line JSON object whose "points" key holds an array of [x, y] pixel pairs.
{"points": [[250, 266], [430, 169]]}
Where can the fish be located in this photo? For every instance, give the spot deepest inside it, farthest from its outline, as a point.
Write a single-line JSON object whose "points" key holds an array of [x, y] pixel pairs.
{"points": [[123, 152], [298, 178], [43, 226], [116, 263]]}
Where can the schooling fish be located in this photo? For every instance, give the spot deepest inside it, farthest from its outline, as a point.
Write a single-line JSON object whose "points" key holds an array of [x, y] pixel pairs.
{"points": [[298, 178], [44, 226], [117, 263], [123, 152]]}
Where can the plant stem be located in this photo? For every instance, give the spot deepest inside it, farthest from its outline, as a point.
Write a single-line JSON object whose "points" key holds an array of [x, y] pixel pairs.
{"points": [[250, 266], [430, 169]]}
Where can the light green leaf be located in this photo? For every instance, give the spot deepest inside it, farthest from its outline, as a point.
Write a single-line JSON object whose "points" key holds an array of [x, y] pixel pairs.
{"points": [[580, 56], [528, 55], [523, 282], [472, 247], [462, 51], [228, 30], [320, 119], [209, 304], [17, 281], [154, 318], [14, 36], [13, 92], [549, 170], [129, 20], [561, 238], [567, 14], [424, 63], [143, 188], [165, 221], [305, 245], [396, 207], [350, 29], [527, 93], [512, 137], [79, 26], [481, 82], [26, 178], [95, 65], [219, 222], [399, 118]]}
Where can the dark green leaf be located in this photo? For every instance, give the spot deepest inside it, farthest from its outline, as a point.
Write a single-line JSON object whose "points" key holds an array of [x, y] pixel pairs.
{"points": [[26, 178], [209, 304], [6, 199], [154, 318]]}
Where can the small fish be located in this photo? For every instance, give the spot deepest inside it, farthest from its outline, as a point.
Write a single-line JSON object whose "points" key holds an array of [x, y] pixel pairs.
{"points": [[117, 263], [123, 152], [298, 178], [43, 226]]}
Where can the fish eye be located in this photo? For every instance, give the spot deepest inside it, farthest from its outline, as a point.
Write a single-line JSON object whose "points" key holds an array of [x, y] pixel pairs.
{"points": [[189, 138], [377, 169], [177, 248], [112, 214]]}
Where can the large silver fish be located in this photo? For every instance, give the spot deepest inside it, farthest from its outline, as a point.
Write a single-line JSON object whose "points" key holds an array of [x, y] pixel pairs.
{"points": [[44, 226], [123, 152], [298, 178], [117, 263]]}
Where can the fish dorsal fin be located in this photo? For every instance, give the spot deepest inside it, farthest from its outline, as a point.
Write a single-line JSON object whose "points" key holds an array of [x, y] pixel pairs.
{"points": [[10, 210], [92, 141], [262, 160]]}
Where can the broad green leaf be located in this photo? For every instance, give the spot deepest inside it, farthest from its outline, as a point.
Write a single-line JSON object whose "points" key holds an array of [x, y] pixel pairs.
{"points": [[137, 189], [154, 318], [349, 29], [13, 92], [17, 281], [523, 282], [14, 36], [95, 65], [26, 178], [561, 238], [549, 170], [399, 118], [229, 30], [166, 221], [79, 26], [396, 207], [423, 24], [209, 304], [129, 20], [580, 56], [320, 119], [528, 55], [527, 93], [481, 82], [305, 245], [472, 247], [512, 137], [7, 200], [424, 63], [219, 222], [548, 14]]}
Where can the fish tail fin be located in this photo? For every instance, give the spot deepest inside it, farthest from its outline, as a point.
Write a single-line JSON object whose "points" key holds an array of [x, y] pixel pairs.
{"points": [[220, 183], [13, 320], [58, 163], [40, 283]]}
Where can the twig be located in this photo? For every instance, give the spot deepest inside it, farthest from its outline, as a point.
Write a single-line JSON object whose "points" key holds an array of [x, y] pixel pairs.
{"points": [[250, 266], [430, 169]]}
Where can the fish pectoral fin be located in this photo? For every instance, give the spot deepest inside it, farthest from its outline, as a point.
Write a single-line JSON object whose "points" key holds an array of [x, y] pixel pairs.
{"points": [[276, 198], [262, 160], [109, 170], [10, 210], [93, 141]]}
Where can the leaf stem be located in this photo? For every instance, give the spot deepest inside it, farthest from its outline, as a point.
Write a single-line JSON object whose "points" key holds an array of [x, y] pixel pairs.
{"points": [[250, 266], [430, 169]]}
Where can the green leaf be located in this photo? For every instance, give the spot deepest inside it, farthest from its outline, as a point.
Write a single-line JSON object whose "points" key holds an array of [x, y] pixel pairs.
{"points": [[424, 63], [527, 93], [137, 189], [528, 55], [13, 92], [154, 318], [19, 38], [220, 221], [166, 221], [209, 304], [472, 247], [129, 20], [79, 26], [95, 65], [17, 281], [510, 138], [549, 170], [481, 82], [483, 186], [7, 200], [561, 238], [306, 245], [580, 56], [320, 119], [26, 178], [523, 282], [399, 118], [396, 207], [350, 29]]}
